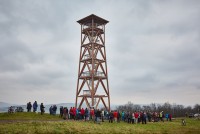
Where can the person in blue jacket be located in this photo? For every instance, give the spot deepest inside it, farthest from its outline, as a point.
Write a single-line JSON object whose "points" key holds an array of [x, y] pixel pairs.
{"points": [[35, 105]]}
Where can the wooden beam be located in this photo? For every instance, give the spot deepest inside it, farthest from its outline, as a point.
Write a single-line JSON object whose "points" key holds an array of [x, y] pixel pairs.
{"points": [[95, 53], [104, 87], [103, 69], [89, 36], [98, 103], [85, 36], [81, 103], [97, 67], [88, 85], [104, 103], [102, 54], [81, 87], [88, 67], [95, 89], [101, 39], [84, 51], [87, 103], [82, 69]]}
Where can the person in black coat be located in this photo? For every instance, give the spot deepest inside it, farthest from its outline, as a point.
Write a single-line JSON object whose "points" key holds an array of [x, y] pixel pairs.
{"points": [[86, 114], [29, 106], [98, 116], [61, 111], [111, 117], [42, 108]]}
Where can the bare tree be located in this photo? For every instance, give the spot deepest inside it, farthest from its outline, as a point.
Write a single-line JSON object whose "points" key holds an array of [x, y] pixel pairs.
{"points": [[175, 109]]}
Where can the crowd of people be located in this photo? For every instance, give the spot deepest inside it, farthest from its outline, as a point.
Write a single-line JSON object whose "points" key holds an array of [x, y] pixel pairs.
{"points": [[53, 109], [144, 117], [35, 106], [98, 115], [113, 116], [82, 114]]}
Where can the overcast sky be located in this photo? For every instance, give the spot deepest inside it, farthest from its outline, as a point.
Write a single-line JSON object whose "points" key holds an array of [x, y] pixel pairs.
{"points": [[153, 50]]}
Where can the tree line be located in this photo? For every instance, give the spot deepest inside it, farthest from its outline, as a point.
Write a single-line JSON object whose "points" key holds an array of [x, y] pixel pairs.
{"points": [[176, 110]]}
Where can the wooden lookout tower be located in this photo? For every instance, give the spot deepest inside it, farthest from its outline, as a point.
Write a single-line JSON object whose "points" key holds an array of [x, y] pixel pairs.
{"points": [[92, 84]]}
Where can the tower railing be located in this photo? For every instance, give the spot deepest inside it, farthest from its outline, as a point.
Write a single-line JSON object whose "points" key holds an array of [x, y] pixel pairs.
{"points": [[86, 92], [88, 73], [87, 56], [98, 73], [89, 25]]}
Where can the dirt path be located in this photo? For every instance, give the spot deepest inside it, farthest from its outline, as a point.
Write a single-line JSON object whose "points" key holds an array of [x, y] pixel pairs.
{"points": [[15, 121], [18, 120]]}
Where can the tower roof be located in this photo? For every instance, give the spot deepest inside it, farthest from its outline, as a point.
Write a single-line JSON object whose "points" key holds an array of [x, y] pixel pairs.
{"points": [[95, 18]]}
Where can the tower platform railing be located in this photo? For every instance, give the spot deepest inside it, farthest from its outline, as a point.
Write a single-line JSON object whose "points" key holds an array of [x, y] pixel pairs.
{"points": [[98, 73]]}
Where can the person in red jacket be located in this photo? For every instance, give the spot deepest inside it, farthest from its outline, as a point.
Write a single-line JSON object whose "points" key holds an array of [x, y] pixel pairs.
{"points": [[170, 117], [82, 113], [115, 116], [136, 117], [71, 113], [92, 113], [74, 113]]}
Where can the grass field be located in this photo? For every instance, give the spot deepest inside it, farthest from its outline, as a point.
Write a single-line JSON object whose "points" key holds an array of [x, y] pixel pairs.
{"points": [[28, 123]]}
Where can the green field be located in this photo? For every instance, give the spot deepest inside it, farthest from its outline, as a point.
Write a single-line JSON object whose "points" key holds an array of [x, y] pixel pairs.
{"points": [[28, 123]]}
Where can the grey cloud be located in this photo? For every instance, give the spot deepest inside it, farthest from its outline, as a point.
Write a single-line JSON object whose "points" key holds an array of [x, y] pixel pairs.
{"points": [[13, 55], [147, 78]]}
